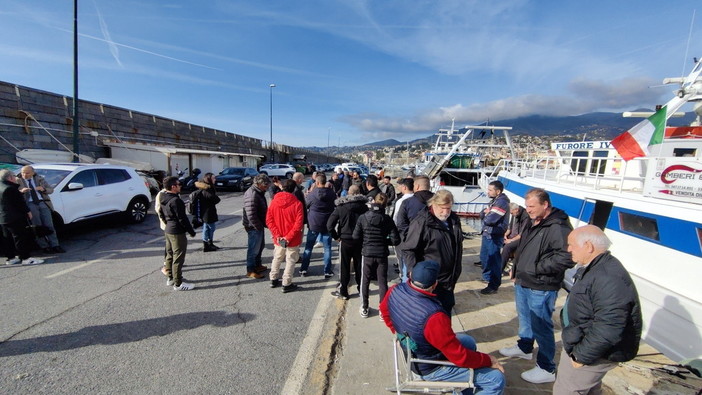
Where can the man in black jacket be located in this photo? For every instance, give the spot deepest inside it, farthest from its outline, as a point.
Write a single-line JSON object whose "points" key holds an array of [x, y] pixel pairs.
{"points": [[495, 218], [411, 207], [601, 319], [435, 234], [341, 225], [320, 203], [172, 213], [542, 259], [14, 218]]}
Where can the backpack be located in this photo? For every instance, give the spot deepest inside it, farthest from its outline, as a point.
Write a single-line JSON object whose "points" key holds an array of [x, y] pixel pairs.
{"points": [[194, 203]]}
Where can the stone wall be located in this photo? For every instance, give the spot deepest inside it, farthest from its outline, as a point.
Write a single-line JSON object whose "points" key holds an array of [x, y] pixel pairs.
{"points": [[30, 118]]}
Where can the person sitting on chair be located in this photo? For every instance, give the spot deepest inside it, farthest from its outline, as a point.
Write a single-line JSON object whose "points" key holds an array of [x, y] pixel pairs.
{"points": [[412, 312]]}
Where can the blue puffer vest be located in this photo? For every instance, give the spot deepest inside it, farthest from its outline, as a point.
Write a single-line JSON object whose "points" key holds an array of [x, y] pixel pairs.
{"points": [[410, 310]]}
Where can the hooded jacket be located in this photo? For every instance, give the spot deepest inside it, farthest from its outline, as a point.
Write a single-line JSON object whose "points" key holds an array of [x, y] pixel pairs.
{"points": [[602, 316], [320, 202], [377, 231], [541, 258], [430, 239], [343, 220], [208, 201], [172, 212], [285, 219]]}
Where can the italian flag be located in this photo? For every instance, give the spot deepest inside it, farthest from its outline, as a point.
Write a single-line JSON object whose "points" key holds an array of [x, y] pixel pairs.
{"points": [[634, 142]]}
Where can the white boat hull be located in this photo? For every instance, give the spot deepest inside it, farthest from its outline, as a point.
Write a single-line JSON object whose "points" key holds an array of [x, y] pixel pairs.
{"points": [[667, 279]]}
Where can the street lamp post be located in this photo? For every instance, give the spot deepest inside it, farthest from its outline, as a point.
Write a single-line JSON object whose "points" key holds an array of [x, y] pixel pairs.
{"points": [[271, 90]]}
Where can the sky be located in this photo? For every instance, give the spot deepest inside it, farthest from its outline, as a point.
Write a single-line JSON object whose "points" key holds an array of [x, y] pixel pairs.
{"points": [[352, 72]]}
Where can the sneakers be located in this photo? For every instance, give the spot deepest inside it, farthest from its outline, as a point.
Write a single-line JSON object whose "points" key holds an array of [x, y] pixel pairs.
{"points": [[13, 261], [328, 275], [338, 295], [254, 275], [289, 288], [275, 283], [170, 282], [478, 263], [260, 269], [303, 273], [538, 376], [183, 287], [488, 291], [516, 352], [363, 312], [32, 261]]}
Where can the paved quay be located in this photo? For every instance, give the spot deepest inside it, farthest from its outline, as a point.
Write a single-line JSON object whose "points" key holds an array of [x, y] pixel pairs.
{"points": [[364, 362]]}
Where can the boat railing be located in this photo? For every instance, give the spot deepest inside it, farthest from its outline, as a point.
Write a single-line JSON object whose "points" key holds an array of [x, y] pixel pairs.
{"points": [[593, 173]]}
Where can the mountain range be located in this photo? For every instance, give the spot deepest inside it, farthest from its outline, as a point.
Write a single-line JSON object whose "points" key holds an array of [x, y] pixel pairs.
{"points": [[597, 125]]}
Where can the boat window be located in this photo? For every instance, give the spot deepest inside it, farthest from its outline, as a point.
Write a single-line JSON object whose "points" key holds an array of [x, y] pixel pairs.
{"points": [[578, 165], [685, 152], [600, 214], [597, 166], [640, 225]]}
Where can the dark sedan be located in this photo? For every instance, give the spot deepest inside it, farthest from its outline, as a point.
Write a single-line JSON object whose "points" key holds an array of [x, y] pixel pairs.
{"points": [[235, 178]]}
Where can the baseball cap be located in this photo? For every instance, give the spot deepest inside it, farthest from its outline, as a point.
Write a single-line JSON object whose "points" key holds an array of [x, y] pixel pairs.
{"points": [[425, 273]]}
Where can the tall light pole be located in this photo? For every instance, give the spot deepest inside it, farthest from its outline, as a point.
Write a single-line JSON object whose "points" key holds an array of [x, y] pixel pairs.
{"points": [[271, 157], [76, 119]]}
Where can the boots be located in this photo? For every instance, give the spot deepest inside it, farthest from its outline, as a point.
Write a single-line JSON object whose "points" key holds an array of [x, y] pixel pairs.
{"points": [[207, 246], [213, 246]]}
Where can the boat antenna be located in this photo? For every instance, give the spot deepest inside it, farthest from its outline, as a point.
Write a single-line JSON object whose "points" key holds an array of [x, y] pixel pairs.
{"points": [[689, 38]]}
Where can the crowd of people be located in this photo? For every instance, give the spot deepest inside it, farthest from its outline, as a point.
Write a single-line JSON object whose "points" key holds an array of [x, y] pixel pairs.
{"points": [[601, 319]]}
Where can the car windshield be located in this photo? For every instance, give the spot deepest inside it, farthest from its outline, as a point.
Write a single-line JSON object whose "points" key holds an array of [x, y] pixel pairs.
{"points": [[233, 171], [52, 176]]}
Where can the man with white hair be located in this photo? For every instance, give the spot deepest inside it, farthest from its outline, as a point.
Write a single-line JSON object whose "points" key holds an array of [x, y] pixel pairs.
{"points": [[36, 193], [14, 218], [601, 319], [435, 234]]}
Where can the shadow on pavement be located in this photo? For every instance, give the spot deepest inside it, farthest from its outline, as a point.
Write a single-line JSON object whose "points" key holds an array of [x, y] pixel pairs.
{"points": [[125, 332]]}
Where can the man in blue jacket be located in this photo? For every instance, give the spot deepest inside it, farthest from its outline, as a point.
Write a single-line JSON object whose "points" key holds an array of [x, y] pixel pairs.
{"points": [[495, 218]]}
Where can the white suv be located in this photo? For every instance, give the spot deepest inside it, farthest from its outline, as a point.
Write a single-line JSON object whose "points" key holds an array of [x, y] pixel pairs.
{"points": [[84, 191], [280, 170]]}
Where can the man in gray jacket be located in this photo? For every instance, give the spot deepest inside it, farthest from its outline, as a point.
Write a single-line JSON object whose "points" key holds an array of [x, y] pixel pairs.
{"points": [[36, 193], [254, 221]]}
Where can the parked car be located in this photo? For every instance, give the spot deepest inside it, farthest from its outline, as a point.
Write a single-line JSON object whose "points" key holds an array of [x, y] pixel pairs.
{"points": [[85, 191], [280, 170], [235, 178]]}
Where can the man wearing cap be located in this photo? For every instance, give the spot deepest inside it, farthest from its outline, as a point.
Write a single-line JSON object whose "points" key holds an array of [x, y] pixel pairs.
{"points": [[412, 312]]}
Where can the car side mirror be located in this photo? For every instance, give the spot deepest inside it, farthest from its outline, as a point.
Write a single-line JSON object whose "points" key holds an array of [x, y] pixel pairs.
{"points": [[75, 186]]}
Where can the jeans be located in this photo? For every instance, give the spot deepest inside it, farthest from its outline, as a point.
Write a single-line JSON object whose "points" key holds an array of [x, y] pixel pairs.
{"points": [[208, 231], [325, 238], [535, 312], [486, 380], [491, 260], [254, 250]]}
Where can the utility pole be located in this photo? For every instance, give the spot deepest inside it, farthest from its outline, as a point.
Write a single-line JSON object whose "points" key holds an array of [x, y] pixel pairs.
{"points": [[76, 118]]}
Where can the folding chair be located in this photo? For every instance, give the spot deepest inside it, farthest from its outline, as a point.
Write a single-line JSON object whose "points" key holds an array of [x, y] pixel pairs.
{"points": [[408, 381]]}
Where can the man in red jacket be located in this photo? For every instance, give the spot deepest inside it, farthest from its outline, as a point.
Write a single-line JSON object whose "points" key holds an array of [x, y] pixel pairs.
{"points": [[412, 311], [285, 220]]}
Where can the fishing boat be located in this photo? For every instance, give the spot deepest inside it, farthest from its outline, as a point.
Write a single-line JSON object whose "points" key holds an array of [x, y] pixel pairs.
{"points": [[651, 209], [461, 159]]}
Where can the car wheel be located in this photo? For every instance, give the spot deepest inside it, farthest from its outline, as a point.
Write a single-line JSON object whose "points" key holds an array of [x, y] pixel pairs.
{"points": [[57, 221], [288, 175], [137, 210]]}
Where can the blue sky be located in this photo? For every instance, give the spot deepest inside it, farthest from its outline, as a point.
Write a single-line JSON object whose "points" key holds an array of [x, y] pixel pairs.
{"points": [[353, 72]]}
